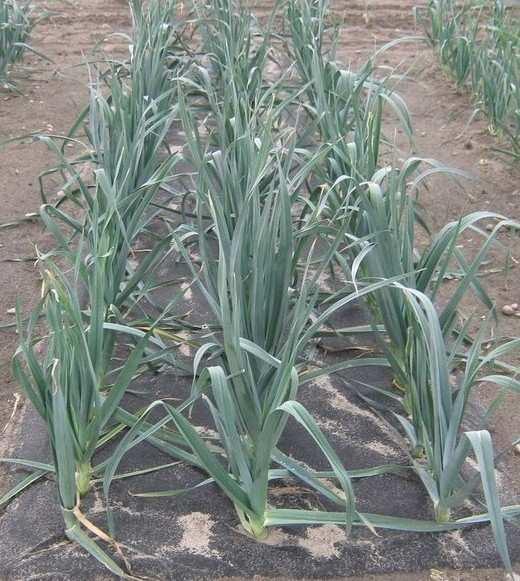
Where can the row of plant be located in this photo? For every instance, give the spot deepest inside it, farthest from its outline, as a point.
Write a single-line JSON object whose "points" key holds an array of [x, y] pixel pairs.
{"points": [[88, 279], [479, 43], [423, 345], [17, 20], [288, 183]]}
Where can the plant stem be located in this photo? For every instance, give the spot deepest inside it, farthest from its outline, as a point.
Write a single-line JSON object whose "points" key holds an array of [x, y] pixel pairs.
{"points": [[254, 525], [83, 478]]}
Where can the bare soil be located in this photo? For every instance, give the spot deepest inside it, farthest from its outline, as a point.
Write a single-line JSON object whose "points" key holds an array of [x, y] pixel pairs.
{"points": [[55, 92]]}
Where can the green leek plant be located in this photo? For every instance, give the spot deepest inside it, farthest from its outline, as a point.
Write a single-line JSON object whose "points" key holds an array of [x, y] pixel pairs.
{"points": [[127, 147], [383, 217], [480, 46], [337, 98], [157, 51], [240, 151], [15, 27], [130, 170], [388, 223], [346, 106], [262, 325], [127, 132], [437, 410], [247, 245], [70, 384], [229, 32], [449, 30], [69, 387], [266, 316], [251, 386], [114, 215], [425, 346], [127, 121]]}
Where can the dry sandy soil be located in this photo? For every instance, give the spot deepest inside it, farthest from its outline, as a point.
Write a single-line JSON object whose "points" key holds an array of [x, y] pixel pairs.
{"points": [[55, 92]]}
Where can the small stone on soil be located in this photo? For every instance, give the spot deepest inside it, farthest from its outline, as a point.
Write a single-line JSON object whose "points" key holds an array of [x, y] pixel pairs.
{"points": [[509, 310]]}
